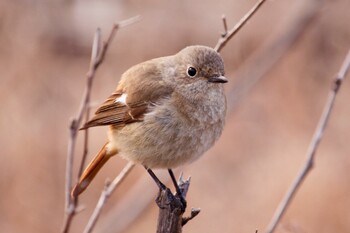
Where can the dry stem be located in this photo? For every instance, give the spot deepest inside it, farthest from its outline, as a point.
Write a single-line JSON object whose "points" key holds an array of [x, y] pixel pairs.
{"points": [[97, 57], [71, 203], [227, 35], [310, 155], [170, 217], [106, 193], [264, 59]]}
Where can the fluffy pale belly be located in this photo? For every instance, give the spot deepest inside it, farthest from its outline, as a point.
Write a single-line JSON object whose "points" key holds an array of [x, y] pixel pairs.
{"points": [[164, 142]]}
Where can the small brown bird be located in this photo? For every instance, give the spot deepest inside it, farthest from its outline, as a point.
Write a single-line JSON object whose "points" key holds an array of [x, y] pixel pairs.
{"points": [[164, 113]]}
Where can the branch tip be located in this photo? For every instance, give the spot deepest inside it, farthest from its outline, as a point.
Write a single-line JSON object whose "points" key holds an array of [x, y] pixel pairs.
{"points": [[223, 17], [129, 21], [194, 213], [96, 47], [229, 34]]}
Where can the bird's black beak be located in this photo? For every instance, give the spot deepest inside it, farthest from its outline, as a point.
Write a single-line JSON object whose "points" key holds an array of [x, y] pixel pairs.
{"points": [[217, 79]]}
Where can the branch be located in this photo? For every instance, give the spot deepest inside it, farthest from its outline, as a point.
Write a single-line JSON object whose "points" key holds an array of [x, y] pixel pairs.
{"points": [[194, 213], [71, 203], [171, 210], [106, 193], [310, 155], [227, 35], [97, 56], [114, 30], [264, 59], [95, 51], [133, 203]]}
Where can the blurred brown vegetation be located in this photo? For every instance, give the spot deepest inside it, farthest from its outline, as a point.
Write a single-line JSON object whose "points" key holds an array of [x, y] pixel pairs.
{"points": [[44, 55]]}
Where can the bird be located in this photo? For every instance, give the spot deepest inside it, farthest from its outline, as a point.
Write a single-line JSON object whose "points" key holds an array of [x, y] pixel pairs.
{"points": [[164, 113]]}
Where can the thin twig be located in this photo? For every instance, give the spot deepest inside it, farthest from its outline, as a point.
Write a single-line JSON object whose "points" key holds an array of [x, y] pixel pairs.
{"points": [[310, 155], [106, 193], [114, 30], [96, 49], [227, 36], [224, 22], [133, 203], [292, 28], [71, 203], [194, 213], [97, 57]]}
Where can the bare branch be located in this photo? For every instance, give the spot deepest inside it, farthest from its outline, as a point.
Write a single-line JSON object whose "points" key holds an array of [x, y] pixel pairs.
{"points": [[171, 209], [106, 193], [132, 202], [227, 36], [97, 57], [95, 51], [114, 29], [71, 203], [310, 155], [271, 52]]}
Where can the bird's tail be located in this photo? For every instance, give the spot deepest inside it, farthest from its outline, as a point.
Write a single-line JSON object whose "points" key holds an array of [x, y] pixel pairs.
{"points": [[91, 170]]}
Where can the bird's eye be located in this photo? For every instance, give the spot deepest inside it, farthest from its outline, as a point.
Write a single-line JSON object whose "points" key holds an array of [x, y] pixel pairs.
{"points": [[191, 71]]}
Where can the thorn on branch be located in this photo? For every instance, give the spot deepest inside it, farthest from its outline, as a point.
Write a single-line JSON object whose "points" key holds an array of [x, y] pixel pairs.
{"points": [[225, 26], [184, 184], [73, 124], [194, 213], [337, 83], [107, 183]]}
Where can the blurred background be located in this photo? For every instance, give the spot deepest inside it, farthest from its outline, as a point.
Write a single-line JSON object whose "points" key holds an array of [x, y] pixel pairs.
{"points": [[44, 56]]}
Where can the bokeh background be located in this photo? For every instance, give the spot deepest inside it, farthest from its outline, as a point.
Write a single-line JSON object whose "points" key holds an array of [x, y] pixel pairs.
{"points": [[44, 56]]}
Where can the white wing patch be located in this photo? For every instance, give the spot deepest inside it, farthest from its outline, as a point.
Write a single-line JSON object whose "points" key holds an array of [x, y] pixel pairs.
{"points": [[122, 99]]}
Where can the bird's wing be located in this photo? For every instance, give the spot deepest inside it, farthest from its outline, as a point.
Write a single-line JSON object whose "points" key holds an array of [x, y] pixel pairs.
{"points": [[139, 88]]}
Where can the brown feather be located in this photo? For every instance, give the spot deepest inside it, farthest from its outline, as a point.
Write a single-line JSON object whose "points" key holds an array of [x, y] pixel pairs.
{"points": [[144, 87], [91, 170], [115, 113]]}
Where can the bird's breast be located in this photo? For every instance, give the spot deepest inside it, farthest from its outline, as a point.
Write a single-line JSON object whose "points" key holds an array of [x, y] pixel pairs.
{"points": [[172, 133]]}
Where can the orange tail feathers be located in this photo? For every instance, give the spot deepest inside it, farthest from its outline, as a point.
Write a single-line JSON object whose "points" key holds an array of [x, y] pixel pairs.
{"points": [[92, 169]]}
